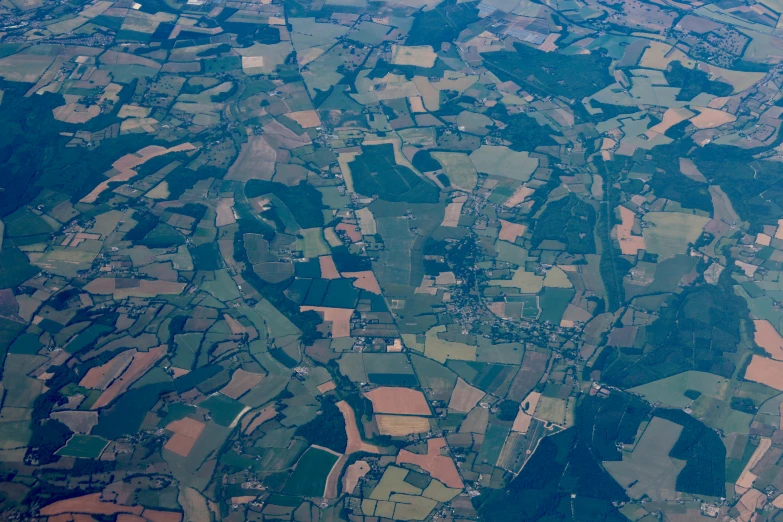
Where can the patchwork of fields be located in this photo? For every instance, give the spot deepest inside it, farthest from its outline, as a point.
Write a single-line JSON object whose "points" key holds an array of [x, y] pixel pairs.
{"points": [[366, 261]]}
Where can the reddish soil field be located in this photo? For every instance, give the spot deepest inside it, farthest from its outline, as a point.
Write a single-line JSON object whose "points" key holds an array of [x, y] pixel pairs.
{"points": [[766, 371], [99, 377], [365, 280], [186, 433], [355, 442], [142, 362], [266, 414], [328, 268], [90, 504], [339, 317], [511, 231], [400, 401], [351, 231], [768, 338], [241, 382], [439, 466]]}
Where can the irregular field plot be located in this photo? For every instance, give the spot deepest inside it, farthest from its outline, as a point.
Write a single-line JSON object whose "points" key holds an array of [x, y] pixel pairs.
{"points": [[310, 474], [83, 446]]}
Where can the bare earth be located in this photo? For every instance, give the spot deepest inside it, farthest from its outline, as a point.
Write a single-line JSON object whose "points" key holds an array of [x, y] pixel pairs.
{"points": [[328, 268], [511, 231], [186, 433], [90, 504], [629, 244], [352, 475], [768, 338], [241, 382], [355, 442], [765, 371], [365, 280], [400, 401], [439, 466], [142, 362]]}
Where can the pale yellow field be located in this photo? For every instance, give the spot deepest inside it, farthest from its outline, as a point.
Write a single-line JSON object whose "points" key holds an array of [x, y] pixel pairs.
{"points": [[520, 195], [353, 473], [417, 105], [241, 382], [417, 55], [453, 211], [400, 426], [441, 349], [671, 118], [125, 165], [365, 280], [306, 119], [133, 111], [160, 191], [659, 55], [76, 112], [711, 118], [522, 422]]}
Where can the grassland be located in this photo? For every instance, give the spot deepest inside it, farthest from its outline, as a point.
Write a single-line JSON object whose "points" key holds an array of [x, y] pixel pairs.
{"points": [[84, 447], [310, 473], [469, 259]]}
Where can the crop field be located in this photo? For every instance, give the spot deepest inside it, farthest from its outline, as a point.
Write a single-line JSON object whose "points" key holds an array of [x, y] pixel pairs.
{"points": [[186, 433], [439, 466], [765, 371], [648, 470], [383, 369], [223, 409], [671, 391], [354, 443], [84, 447], [343, 260], [502, 161], [458, 168], [399, 426], [400, 401], [671, 232], [418, 55], [769, 339], [310, 473], [464, 397], [441, 350]]}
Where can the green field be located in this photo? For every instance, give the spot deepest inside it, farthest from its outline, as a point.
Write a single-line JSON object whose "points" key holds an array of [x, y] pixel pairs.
{"points": [[494, 439], [253, 227], [392, 369], [648, 470], [375, 171], [83, 447], [671, 390], [310, 473], [223, 409], [502, 161], [672, 232]]}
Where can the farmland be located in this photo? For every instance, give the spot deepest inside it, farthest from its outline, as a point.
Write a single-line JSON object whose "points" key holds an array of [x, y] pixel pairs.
{"points": [[362, 261], [83, 446], [314, 466]]}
